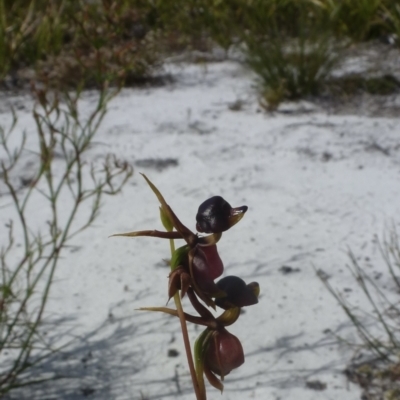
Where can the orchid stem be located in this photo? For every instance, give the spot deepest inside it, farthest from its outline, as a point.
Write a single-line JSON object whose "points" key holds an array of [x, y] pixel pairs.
{"points": [[200, 392]]}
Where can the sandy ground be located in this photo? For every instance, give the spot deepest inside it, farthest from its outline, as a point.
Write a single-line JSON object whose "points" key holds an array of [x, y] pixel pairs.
{"points": [[316, 184]]}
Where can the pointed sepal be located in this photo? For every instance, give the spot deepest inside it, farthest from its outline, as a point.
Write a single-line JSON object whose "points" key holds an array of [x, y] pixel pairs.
{"points": [[153, 233], [186, 233]]}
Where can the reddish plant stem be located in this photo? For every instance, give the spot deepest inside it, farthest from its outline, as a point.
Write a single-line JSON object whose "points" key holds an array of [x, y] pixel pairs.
{"points": [[200, 392]]}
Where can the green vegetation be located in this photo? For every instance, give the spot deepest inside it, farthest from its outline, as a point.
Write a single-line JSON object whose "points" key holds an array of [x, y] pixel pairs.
{"points": [[291, 44], [353, 84], [28, 260], [376, 369], [68, 42]]}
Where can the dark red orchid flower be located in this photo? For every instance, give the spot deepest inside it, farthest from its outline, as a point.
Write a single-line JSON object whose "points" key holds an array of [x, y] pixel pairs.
{"points": [[194, 268], [224, 352], [205, 266]]}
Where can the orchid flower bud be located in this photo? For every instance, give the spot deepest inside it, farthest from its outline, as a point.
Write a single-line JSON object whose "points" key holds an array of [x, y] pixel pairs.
{"points": [[216, 215], [224, 353], [238, 294]]}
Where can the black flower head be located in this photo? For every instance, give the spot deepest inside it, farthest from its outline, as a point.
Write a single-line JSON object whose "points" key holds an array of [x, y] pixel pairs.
{"points": [[238, 294], [216, 215]]}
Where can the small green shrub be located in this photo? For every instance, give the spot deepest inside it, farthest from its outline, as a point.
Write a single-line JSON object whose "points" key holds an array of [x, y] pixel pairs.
{"points": [[68, 42], [289, 49], [378, 370], [291, 70], [391, 18], [29, 259], [29, 31], [357, 19]]}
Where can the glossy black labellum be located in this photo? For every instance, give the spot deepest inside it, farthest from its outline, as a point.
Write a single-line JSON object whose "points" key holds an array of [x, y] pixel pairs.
{"points": [[238, 294], [216, 215]]}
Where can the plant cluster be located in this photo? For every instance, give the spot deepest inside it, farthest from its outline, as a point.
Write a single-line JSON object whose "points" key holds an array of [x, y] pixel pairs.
{"points": [[293, 45], [64, 42], [65, 185], [376, 364], [67, 41], [194, 268]]}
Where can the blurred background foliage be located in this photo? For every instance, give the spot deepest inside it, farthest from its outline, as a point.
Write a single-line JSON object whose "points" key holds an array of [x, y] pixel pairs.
{"points": [[291, 44]]}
